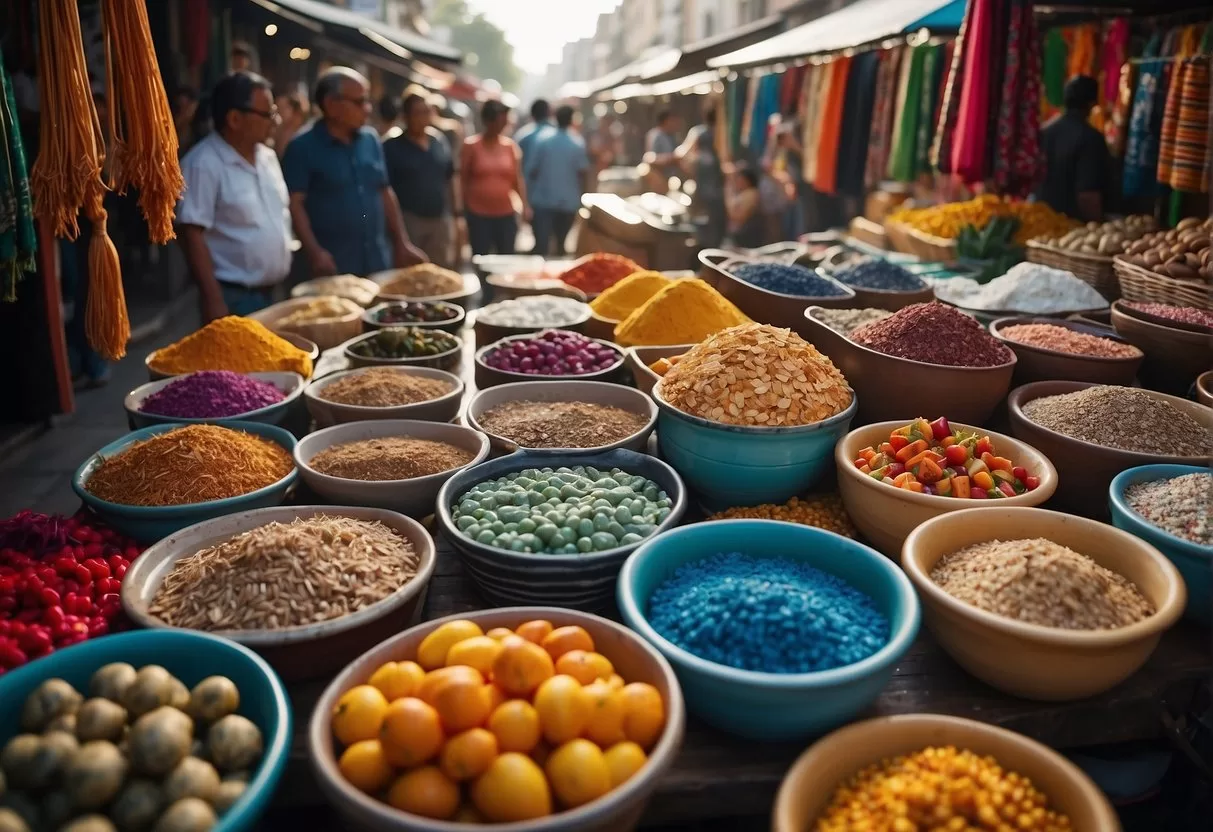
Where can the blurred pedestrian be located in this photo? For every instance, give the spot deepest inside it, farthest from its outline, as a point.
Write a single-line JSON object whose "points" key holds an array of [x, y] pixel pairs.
{"points": [[1076, 155], [747, 222], [702, 164], [491, 181], [421, 171], [387, 113], [660, 143], [292, 115], [541, 115], [556, 174], [787, 166], [185, 109]]}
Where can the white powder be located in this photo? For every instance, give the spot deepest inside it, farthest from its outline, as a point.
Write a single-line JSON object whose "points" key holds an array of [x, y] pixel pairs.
{"points": [[1026, 287]]}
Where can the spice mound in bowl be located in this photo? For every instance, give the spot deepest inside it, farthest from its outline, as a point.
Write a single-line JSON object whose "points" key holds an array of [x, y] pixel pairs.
{"points": [[824, 511], [211, 394], [879, 275], [599, 271], [934, 333], [383, 387], [241, 345], [789, 279], [682, 312], [561, 424], [1181, 506], [389, 458], [1026, 287], [323, 308], [628, 295], [847, 321], [1124, 418], [1062, 339], [425, 280], [1172, 314]]}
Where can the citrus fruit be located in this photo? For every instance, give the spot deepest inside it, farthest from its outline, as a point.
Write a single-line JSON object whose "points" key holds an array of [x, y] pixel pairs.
{"points": [[616, 681], [535, 631], [563, 708], [436, 679], [496, 697], [358, 714], [467, 755], [585, 666], [431, 653], [462, 704], [425, 791], [397, 679], [643, 713], [624, 759], [578, 773], [512, 789], [563, 639], [412, 732], [605, 724], [515, 724], [521, 666], [477, 652], [365, 766], [497, 634]]}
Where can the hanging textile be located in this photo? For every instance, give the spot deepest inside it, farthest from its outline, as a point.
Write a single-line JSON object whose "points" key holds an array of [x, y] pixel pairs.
{"points": [[1016, 137], [766, 104], [1188, 42], [857, 123], [969, 144], [18, 242], [747, 112], [1112, 58], [1117, 124], [196, 31], [820, 93], [928, 100], [826, 179], [902, 155], [1191, 152], [941, 147], [1056, 54], [1145, 123], [1084, 50], [789, 93], [881, 129]]}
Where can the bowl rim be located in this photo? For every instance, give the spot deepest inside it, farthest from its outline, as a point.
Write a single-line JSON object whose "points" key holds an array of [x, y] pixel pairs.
{"points": [[371, 314], [422, 540], [844, 462], [137, 396], [1138, 525], [307, 285], [828, 423], [726, 267], [289, 302], [311, 390], [1164, 616], [898, 642], [481, 352], [1204, 383], [471, 285], [583, 314], [403, 360], [1118, 308], [277, 435], [998, 324]]}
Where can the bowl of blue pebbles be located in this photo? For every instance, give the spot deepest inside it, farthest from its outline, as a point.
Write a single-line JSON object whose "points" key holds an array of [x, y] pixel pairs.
{"points": [[879, 284], [772, 292]]}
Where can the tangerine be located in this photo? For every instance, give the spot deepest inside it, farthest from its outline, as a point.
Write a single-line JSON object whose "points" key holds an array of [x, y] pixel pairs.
{"points": [[412, 732], [397, 679], [425, 791], [515, 724], [535, 631], [616, 681], [498, 633], [477, 652], [563, 708], [624, 759], [467, 755], [578, 773], [365, 766], [462, 704], [437, 679], [431, 653], [358, 714], [643, 713], [496, 697], [512, 789], [521, 666], [563, 639], [585, 666], [605, 725]]}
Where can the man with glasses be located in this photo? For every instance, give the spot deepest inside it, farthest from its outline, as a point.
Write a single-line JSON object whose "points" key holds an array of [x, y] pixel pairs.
{"points": [[232, 220], [343, 208]]}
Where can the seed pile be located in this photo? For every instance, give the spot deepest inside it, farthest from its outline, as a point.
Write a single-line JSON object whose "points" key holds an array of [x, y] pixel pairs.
{"points": [[934, 333], [384, 387], [847, 321], [1041, 582], [211, 394], [1124, 418], [285, 575], [322, 308], [880, 275], [425, 280], [1182, 506], [824, 511], [1061, 339], [789, 280], [757, 375], [561, 424], [389, 458], [1179, 314], [187, 465]]}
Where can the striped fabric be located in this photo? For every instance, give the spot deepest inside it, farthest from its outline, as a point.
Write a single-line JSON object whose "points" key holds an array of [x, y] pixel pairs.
{"points": [[1190, 149], [1170, 121]]}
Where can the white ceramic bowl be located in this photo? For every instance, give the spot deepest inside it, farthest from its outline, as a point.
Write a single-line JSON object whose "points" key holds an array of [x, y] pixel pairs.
{"points": [[328, 413], [291, 385]]}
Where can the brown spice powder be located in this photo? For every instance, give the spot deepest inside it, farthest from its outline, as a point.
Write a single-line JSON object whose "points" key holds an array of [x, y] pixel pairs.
{"points": [[561, 424], [384, 387], [389, 458]]}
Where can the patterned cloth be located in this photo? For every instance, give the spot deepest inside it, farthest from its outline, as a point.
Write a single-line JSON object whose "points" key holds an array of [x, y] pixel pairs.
{"points": [[881, 135], [1017, 154], [941, 147], [1190, 152], [1053, 70], [18, 242], [928, 101]]}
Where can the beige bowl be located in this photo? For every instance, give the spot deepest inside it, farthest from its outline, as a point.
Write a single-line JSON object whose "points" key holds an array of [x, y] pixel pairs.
{"points": [[1030, 660], [326, 333], [886, 515], [1204, 388], [328, 413], [638, 360], [809, 785]]}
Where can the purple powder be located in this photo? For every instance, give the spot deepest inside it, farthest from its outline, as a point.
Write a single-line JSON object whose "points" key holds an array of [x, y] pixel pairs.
{"points": [[211, 394]]}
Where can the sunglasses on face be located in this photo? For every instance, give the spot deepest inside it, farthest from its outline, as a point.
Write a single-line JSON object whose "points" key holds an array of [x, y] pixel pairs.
{"points": [[272, 114]]}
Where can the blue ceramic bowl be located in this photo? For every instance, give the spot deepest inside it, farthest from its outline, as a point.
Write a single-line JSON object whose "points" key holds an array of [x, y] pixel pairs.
{"points": [[773, 706], [735, 465], [149, 523], [1194, 562], [191, 657], [291, 385]]}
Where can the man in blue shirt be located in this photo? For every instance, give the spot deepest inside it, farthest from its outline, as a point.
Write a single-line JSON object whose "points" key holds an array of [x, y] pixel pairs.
{"points": [[555, 174], [343, 209], [541, 112]]}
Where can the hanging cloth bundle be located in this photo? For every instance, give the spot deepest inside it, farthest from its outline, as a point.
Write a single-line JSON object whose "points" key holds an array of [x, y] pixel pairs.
{"points": [[17, 240]]}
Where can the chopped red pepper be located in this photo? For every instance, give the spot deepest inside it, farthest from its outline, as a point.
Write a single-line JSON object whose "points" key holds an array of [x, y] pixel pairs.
{"points": [[957, 454], [898, 441]]}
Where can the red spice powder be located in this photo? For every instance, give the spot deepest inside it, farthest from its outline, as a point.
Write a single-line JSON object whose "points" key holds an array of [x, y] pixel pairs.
{"points": [[934, 333]]}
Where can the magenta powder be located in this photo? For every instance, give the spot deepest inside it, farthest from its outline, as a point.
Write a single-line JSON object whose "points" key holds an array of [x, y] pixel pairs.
{"points": [[934, 333], [211, 394]]}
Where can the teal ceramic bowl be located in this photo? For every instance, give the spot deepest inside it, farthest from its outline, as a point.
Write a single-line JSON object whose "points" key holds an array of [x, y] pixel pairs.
{"points": [[735, 465], [150, 523], [191, 657], [773, 706], [1194, 562]]}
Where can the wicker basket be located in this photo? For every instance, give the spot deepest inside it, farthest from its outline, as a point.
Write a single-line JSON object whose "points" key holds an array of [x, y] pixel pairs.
{"points": [[1094, 269], [899, 236], [1146, 286], [872, 233]]}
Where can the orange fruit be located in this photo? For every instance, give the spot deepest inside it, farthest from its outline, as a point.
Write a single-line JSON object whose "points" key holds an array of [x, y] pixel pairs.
{"points": [[425, 791], [462, 704], [412, 732], [578, 773], [512, 789], [431, 653], [397, 679], [643, 713], [624, 759], [563, 708], [605, 725], [585, 666], [497, 634], [477, 652], [563, 639], [521, 666], [365, 766], [496, 697], [515, 724], [436, 679], [616, 681], [358, 714], [467, 755], [535, 631]]}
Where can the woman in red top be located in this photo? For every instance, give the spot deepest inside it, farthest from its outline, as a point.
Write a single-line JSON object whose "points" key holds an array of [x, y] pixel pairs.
{"points": [[490, 174]]}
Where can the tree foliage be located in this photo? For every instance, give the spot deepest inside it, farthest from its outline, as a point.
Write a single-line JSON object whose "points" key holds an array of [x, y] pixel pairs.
{"points": [[475, 34]]}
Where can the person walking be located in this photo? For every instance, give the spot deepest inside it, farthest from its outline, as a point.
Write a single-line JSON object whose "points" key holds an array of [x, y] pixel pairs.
{"points": [[421, 171], [701, 163], [541, 114], [748, 225], [660, 147], [1076, 155], [556, 172], [232, 220], [490, 179], [292, 116], [343, 209]]}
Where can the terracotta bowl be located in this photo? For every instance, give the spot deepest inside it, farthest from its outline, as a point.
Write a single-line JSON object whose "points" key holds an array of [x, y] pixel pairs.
{"points": [[487, 376], [886, 515], [1040, 364], [618, 810], [1030, 660], [889, 387], [773, 308], [809, 785], [1204, 388], [328, 413], [1085, 470], [638, 360], [1174, 356], [297, 341]]}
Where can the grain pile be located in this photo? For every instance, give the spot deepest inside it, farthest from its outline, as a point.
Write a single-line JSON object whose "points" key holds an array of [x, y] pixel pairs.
{"points": [[561, 424], [384, 387], [1125, 418], [425, 280], [389, 458]]}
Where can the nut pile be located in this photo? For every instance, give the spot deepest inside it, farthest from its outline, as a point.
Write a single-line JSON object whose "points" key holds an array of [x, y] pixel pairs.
{"points": [[1183, 253], [1105, 238]]}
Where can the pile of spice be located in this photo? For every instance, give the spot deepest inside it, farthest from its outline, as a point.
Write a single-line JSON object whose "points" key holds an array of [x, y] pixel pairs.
{"points": [[598, 272], [405, 342], [556, 352], [1041, 582], [1125, 418], [1182, 506], [1180, 314], [561, 424], [425, 280], [934, 333], [389, 458], [533, 312], [684, 312], [628, 295], [847, 321], [879, 275], [192, 464], [771, 615], [322, 308], [1026, 287], [1061, 339], [825, 511], [757, 375], [417, 312], [384, 387], [211, 394], [940, 788], [286, 575], [241, 345], [789, 279], [358, 289]]}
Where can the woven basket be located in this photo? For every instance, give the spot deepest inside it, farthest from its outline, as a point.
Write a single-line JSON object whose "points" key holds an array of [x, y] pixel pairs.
{"points": [[1143, 285], [932, 249], [899, 236], [1094, 269], [872, 233]]}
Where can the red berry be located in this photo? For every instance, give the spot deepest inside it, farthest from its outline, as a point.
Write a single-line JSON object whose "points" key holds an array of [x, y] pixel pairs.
{"points": [[12, 656], [98, 567], [120, 571], [115, 561], [93, 550], [52, 616], [84, 575], [49, 597]]}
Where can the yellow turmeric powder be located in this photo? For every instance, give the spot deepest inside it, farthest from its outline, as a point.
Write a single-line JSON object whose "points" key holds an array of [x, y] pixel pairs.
{"points": [[241, 345], [684, 312], [619, 301]]}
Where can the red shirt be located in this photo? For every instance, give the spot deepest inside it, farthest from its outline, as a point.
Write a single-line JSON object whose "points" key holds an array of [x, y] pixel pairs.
{"points": [[490, 174]]}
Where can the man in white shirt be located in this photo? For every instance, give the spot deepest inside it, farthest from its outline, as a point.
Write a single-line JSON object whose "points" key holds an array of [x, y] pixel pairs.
{"points": [[233, 221]]}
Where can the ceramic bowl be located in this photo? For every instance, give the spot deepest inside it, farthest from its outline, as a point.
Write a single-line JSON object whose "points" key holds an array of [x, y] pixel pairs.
{"points": [[1194, 561], [773, 706], [371, 322], [575, 581], [326, 333], [190, 657], [1040, 364], [328, 413], [471, 288], [521, 284], [148, 523], [875, 298], [889, 387], [358, 289], [639, 359], [414, 497], [304, 651], [291, 385], [487, 333], [809, 785], [1030, 660], [775, 308], [1085, 469], [487, 376], [447, 360], [737, 465], [592, 392], [619, 809], [886, 515], [1174, 356], [1204, 388], [297, 341], [600, 327]]}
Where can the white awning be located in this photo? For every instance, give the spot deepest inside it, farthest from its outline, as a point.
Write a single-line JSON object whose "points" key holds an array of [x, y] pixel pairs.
{"points": [[396, 41]]}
